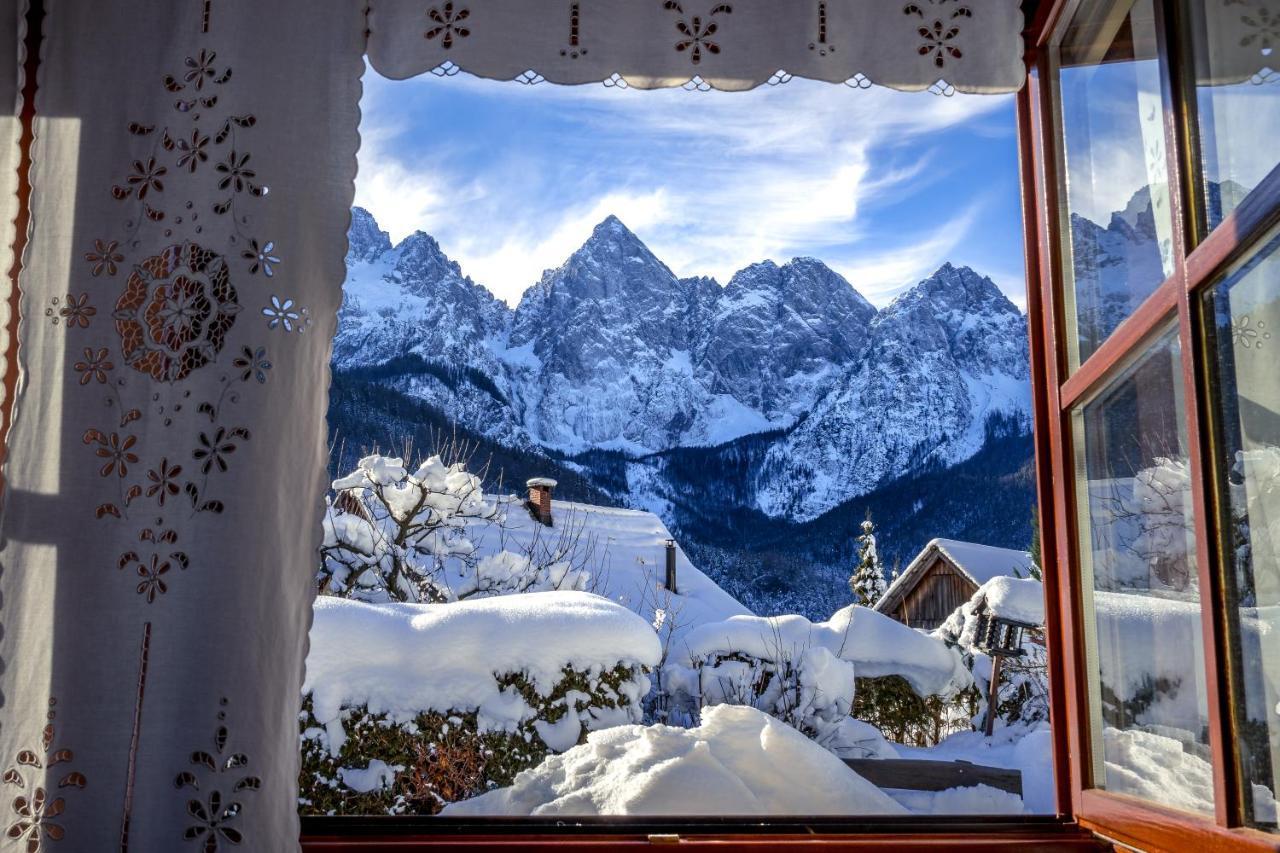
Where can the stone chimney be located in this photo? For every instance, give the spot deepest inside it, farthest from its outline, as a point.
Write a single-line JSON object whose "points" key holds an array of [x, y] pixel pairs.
{"points": [[539, 502]]}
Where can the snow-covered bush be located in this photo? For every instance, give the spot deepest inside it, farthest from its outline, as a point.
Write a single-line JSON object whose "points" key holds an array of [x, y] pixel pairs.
{"points": [[391, 534], [1024, 680], [409, 706], [826, 678]]}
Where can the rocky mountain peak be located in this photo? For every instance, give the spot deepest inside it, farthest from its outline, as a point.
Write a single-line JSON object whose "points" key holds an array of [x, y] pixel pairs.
{"points": [[365, 240], [421, 258], [957, 290], [612, 242]]}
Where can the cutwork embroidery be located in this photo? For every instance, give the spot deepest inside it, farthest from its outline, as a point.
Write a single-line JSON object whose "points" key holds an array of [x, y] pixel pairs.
{"points": [[215, 808], [105, 257], [175, 311], [697, 32], [126, 817], [574, 50], [75, 311], [447, 21], [939, 38], [286, 315], [35, 810], [821, 46]]}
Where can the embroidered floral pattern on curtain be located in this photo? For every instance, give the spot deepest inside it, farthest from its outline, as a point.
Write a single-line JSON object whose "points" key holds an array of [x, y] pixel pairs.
{"points": [[167, 457], [971, 45]]}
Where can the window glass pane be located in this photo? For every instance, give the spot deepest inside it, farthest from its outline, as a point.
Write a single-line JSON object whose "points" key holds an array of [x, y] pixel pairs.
{"points": [[1138, 564], [1119, 229], [1244, 311], [1237, 97]]}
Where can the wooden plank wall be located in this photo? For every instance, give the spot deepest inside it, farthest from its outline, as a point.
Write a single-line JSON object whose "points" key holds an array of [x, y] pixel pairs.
{"points": [[940, 591]]}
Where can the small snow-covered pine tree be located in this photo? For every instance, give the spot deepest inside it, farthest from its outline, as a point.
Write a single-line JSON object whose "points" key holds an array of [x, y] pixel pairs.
{"points": [[867, 582]]}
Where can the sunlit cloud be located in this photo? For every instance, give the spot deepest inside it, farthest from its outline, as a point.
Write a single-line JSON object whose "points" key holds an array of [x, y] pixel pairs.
{"points": [[711, 182], [403, 197]]}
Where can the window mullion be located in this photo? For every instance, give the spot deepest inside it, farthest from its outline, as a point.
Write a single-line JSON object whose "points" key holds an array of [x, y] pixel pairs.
{"points": [[1150, 316], [1227, 805], [1179, 98]]}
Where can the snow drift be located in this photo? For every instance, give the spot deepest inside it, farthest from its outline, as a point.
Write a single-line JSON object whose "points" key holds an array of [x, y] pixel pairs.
{"points": [[739, 761]]}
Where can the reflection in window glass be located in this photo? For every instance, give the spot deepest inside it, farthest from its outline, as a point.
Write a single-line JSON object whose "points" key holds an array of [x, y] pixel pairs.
{"points": [[1245, 312], [1120, 231], [1237, 99], [1147, 689]]}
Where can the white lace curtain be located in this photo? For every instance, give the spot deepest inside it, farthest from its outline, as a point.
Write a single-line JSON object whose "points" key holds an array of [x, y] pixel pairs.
{"points": [[192, 174]]}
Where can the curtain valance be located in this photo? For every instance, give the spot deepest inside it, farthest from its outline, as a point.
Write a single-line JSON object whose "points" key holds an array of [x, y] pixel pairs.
{"points": [[971, 45]]}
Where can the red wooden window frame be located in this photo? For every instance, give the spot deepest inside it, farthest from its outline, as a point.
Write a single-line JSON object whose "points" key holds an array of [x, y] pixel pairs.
{"points": [[1199, 260]]}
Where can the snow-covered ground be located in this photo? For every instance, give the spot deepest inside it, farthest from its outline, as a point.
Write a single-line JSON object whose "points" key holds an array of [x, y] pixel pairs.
{"points": [[740, 761], [767, 701], [1026, 749]]}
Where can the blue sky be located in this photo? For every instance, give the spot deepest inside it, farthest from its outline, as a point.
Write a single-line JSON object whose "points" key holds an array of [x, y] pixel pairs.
{"points": [[883, 186]]}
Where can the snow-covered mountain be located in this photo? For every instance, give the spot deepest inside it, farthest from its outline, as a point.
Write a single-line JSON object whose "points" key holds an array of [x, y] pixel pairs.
{"points": [[409, 298], [943, 360], [613, 352], [629, 357]]}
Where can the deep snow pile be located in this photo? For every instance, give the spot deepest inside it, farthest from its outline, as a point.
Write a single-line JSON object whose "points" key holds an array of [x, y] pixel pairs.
{"points": [[1025, 748], [739, 761], [403, 659], [875, 644]]}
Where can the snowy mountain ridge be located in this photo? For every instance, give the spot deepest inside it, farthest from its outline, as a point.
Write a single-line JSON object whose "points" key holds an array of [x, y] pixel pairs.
{"points": [[612, 351]]}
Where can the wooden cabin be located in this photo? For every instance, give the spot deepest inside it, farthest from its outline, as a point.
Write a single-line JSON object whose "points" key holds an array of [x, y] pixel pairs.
{"points": [[944, 576]]}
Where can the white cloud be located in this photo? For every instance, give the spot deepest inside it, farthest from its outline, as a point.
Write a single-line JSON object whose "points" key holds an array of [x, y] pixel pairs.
{"points": [[403, 198], [884, 273], [710, 181], [519, 256]]}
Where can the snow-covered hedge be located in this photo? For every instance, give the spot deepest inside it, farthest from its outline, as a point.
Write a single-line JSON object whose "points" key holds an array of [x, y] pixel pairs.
{"points": [[820, 676], [409, 706], [874, 643]]}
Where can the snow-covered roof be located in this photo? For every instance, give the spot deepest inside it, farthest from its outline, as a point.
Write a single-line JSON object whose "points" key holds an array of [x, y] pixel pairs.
{"points": [[627, 560], [979, 563]]}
